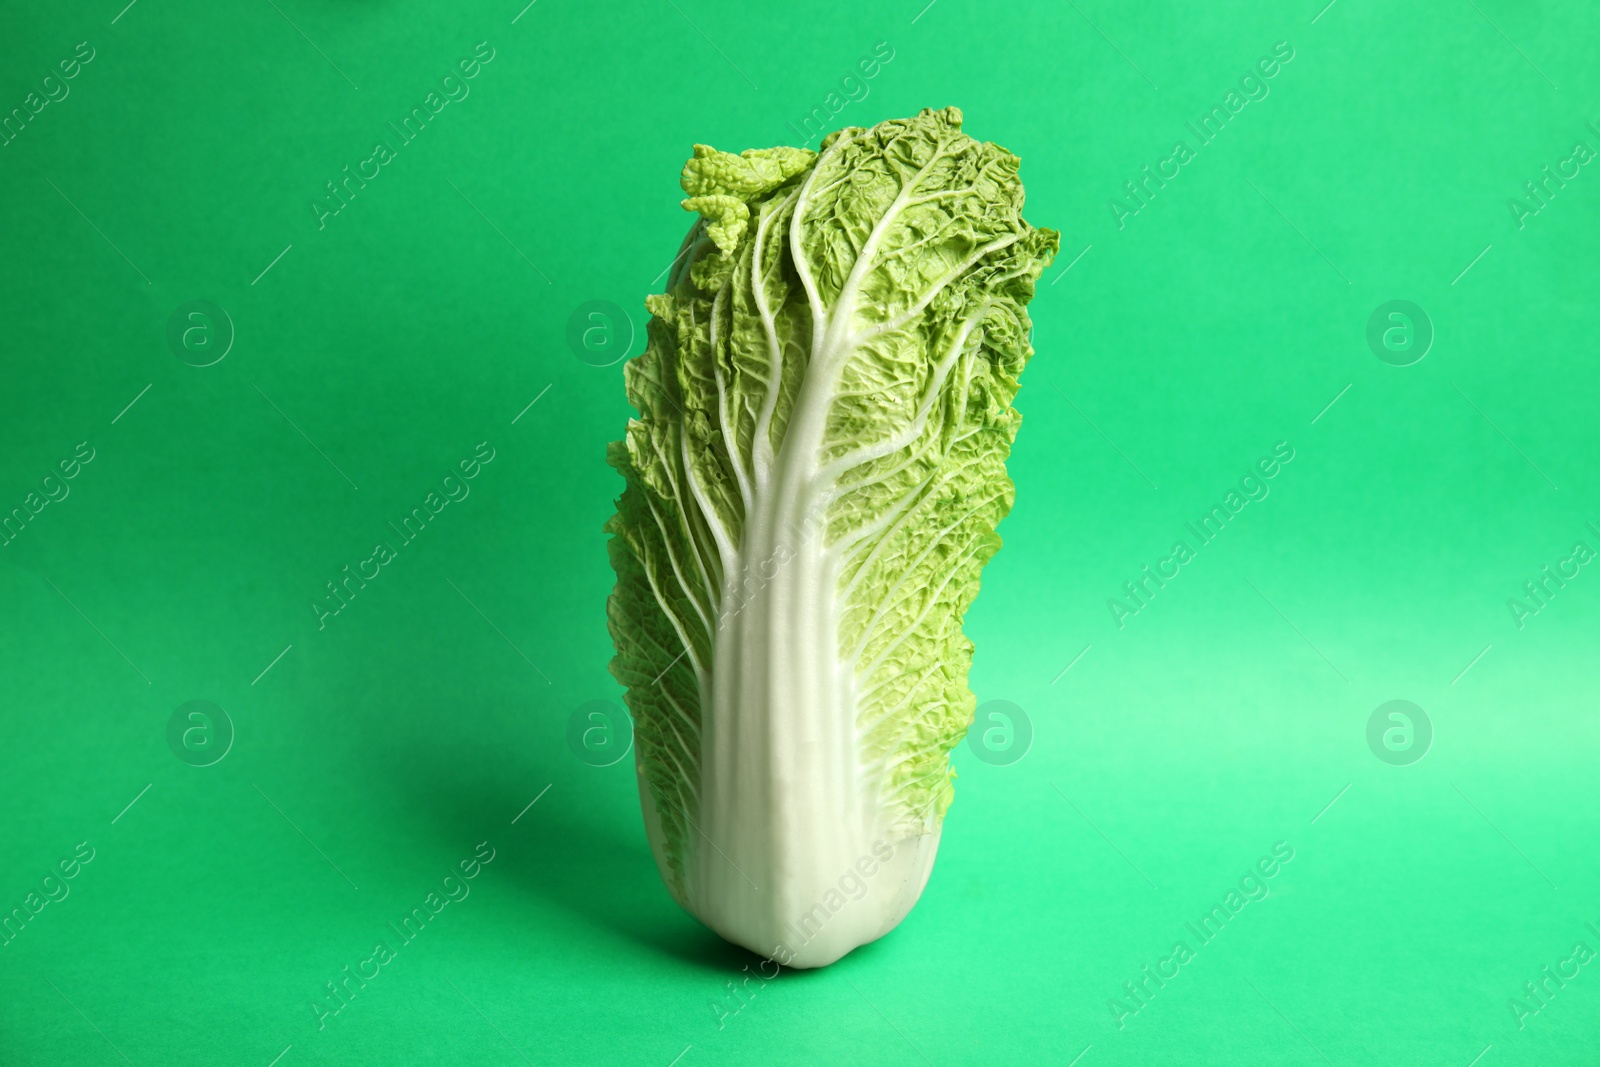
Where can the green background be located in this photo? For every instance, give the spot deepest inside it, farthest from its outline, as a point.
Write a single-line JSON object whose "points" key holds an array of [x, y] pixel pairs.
{"points": [[378, 351]]}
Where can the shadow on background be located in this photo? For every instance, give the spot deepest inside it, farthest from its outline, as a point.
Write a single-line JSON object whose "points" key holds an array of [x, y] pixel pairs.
{"points": [[567, 850]]}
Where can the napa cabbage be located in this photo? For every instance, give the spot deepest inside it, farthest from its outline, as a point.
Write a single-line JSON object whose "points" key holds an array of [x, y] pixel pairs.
{"points": [[812, 486]]}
